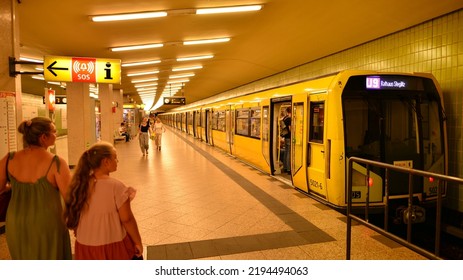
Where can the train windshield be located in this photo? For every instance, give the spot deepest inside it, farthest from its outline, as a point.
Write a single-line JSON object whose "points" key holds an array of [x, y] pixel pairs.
{"points": [[400, 126]]}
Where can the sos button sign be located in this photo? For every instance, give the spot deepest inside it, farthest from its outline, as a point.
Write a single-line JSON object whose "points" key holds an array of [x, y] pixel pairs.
{"points": [[83, 70]]}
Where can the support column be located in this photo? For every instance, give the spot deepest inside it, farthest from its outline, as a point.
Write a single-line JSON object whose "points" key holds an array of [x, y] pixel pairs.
{"points": [[106, 103], [81, 120], [9, 36]]}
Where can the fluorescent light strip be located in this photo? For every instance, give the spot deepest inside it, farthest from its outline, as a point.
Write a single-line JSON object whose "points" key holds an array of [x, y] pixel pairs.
{"points": [[207, 41], [187, 68], [174, 85], [179, 81], [37, 77], [181, 76], [119, 17], [172, 88], [156, 14], [228, 9], [31, 59], [159, 45], [146, 89], [145, 80], [137, 47], [195, 57], [142, 73], [129, 64], [145, 85]]}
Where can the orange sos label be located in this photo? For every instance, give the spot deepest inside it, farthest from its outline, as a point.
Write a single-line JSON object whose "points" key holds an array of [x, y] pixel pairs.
{"points": [[83, 70]]}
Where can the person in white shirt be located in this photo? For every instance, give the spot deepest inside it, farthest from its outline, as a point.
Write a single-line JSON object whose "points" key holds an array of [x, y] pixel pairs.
{"points": [[158, 129]]}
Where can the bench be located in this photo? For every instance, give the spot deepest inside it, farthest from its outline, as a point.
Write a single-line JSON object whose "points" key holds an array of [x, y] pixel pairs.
{"points": [[118, 137]]}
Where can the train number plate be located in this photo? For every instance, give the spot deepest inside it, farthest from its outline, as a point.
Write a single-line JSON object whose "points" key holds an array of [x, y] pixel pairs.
{"points": [[356, 194]]}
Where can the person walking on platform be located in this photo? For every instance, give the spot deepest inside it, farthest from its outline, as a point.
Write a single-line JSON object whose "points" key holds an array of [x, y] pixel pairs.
{"points": [[158, 129], [98, 209], [34, 228], [143, 135]]}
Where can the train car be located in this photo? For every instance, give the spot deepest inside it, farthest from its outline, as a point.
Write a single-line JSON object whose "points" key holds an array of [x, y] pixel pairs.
{"points": [[395, 118]]}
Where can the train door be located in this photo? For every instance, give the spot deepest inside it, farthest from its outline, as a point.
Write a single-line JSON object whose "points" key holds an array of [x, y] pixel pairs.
{"points": [[232, 129], [229, 129], [202, 126], [318, 152], [298, 140], [265, 130], [277, 145], [209, 127], [196, 122]]}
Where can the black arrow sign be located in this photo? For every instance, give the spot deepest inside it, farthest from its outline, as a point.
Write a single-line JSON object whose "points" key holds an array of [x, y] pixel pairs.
{"points": [[51, 68]]}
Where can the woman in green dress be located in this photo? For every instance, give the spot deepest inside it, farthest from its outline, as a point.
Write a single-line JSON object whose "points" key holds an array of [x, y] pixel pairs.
{"points": [[35, 228]]}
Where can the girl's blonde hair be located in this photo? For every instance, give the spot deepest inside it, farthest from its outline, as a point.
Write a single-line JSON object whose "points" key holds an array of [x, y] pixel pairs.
{"points": [[82, 182]]}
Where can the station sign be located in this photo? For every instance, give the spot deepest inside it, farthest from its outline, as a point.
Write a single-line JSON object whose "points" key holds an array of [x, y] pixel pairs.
{"points": [[82, 69], [59, 99], [174, 101]]}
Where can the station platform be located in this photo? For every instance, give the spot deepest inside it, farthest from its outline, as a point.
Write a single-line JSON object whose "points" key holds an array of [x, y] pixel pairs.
{"points": [[196, 202]]}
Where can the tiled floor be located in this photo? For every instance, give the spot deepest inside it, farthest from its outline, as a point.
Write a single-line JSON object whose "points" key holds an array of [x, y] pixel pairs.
{"points": [[196, 202]]}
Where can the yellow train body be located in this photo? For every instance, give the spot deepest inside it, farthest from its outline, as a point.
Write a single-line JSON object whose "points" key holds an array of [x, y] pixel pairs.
{"points": [[333, 118]]}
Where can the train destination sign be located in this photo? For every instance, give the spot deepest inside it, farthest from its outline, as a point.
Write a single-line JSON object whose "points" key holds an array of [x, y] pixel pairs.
{"points": [[390, 82], [82, 69]]}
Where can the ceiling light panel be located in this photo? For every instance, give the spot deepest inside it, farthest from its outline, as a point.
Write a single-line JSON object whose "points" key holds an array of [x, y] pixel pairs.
{"points": [[145, 80], [228, 9], [131, 16], [142, 73], [195, 57], [207, 41], [137, 47], [140, 63], [176, 69]]}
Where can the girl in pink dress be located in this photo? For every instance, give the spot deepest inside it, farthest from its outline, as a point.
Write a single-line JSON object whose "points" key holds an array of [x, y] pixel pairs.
{"points": [[98, 209]]}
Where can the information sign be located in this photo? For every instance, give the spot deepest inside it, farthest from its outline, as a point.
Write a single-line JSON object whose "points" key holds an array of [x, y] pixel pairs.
{"points": [[82, 69]]}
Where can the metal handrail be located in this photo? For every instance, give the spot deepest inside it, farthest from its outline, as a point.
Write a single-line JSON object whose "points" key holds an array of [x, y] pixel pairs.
{"points": [[407, 243]]}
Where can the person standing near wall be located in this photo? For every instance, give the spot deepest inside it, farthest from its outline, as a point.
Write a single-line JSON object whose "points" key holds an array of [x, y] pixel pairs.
{"points": [[34, 228], [143, 135]]}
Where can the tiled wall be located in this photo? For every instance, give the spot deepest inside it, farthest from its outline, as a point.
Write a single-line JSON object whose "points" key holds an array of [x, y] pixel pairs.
{"points": [[435, 46]]}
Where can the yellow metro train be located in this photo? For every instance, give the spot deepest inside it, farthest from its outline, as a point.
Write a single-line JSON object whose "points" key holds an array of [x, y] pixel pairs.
{"points": [[395, 118]]}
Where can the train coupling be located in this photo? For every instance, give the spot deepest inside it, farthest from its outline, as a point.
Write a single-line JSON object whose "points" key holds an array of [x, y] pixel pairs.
{"points": [[415, 214]]}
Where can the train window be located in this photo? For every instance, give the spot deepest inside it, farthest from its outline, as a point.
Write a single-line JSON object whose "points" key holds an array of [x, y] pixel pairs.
{"points": [[203, 119], [197, 119], [214, 120], [190, 118], [317, 122], [255, 122], [218, 120], [242, 122], [248, 122], [221, 120]]}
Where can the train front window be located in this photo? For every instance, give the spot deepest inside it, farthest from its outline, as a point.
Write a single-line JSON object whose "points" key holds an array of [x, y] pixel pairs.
{"points": [[401, 127]]}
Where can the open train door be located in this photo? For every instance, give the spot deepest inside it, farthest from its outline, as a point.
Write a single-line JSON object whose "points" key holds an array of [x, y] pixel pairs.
{"points": [[298, 140], [318, 149], [276, 143]]}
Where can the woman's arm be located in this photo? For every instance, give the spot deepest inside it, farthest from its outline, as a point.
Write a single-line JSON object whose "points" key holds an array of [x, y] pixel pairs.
{"points": [[63, 177], [130, 225]]}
